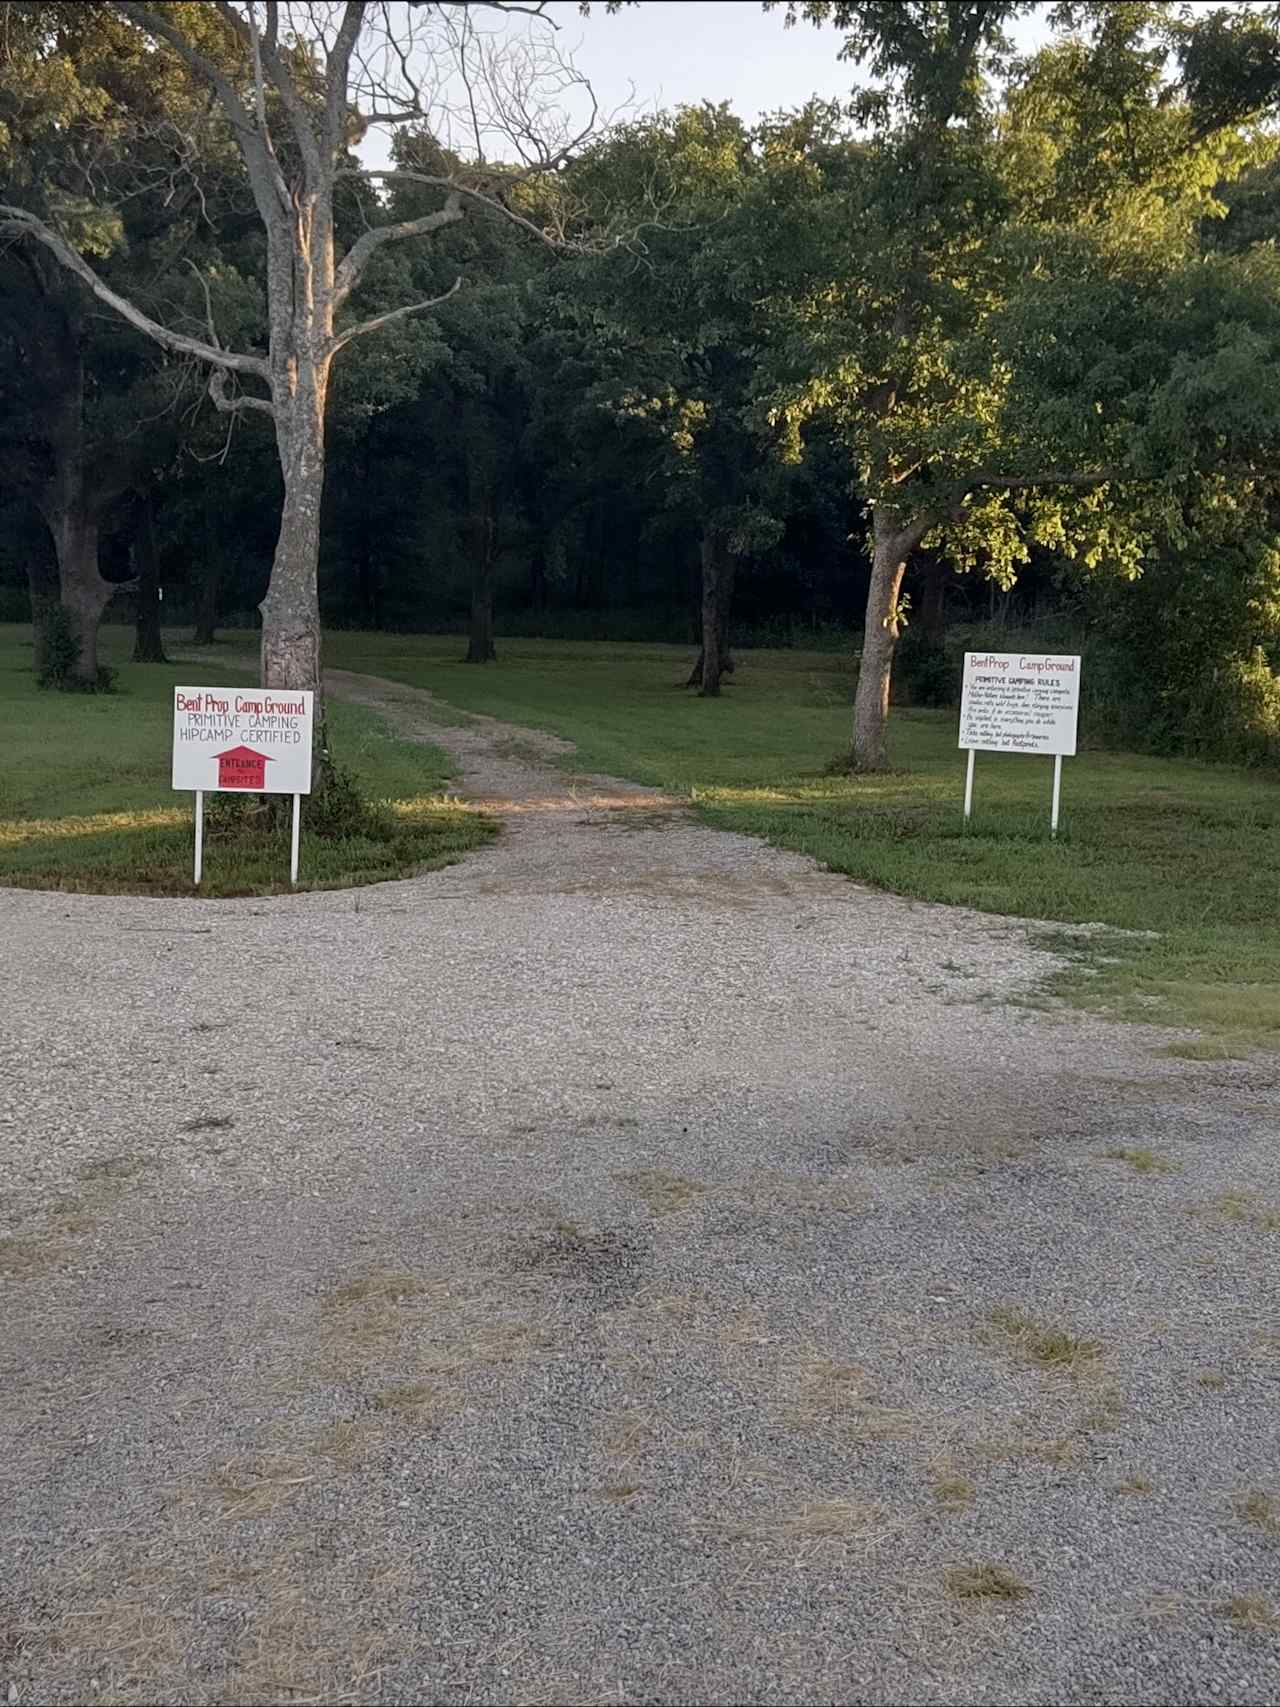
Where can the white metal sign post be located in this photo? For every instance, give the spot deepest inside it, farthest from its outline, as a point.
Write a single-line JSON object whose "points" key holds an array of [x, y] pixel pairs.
{"points": [[1019, 702], [255, 740]]}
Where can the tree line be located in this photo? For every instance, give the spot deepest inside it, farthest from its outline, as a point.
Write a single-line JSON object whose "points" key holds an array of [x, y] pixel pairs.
{"points": [[991, 317]]}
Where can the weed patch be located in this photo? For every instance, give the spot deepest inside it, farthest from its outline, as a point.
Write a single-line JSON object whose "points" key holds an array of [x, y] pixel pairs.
{"points": [[985, 1582], [952, 1491], [1143, 1161], [1252, 1613], [1247, 1208], [827, 1395], [1204, 1049], [1260, 1509], [1043, 1343], [251, 1487], [663, 1193], [413, 1401], [834, 1519], [20, 1259], [1136, 1484]]}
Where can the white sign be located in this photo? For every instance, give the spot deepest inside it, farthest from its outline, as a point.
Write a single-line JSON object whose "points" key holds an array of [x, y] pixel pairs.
{"points": [[258, 739], [1019, 702]]}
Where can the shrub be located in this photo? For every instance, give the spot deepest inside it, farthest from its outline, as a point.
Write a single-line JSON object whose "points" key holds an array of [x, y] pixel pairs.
{"points": [[59, 654], [928, 671], [1187, 652]]}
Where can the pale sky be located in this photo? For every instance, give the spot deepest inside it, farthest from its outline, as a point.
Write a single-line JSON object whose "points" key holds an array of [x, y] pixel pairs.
{"points": [[666, 53], [679, 51]]}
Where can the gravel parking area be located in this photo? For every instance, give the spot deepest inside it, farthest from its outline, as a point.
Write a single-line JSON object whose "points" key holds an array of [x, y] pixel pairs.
{"points": [[631, 1266]]}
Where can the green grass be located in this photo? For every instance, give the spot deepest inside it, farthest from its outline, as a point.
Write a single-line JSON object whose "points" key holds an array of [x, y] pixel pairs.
{"points": [[85, 801], [1188, 851]]}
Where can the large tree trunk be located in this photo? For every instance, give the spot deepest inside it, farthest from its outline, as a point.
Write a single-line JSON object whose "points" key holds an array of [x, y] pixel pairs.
{"points": [[538, 578], [82, 591], [148, 646], [480, 647], [933, 598], [367, 559], [715, 659], [290, 656], [291, 609], [893, 543], [42, 587], [72, 508], [206, 624]]}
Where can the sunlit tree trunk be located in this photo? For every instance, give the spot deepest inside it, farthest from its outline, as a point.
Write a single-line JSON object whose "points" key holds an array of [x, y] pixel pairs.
{"points": [[893, 540]]}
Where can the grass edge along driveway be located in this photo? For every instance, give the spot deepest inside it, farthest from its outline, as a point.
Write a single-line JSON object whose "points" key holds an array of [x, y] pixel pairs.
{"points": [[1180, 859], [86, 803]]}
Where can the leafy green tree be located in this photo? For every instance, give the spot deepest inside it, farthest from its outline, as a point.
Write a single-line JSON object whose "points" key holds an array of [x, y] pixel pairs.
{"points": [[294, 86], [715, 207], [1006, 298], [91, 138], [1189, 650]]}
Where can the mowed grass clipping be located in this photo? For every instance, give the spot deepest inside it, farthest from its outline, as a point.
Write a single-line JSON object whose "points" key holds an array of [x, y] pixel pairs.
{"points": [[1187, 852], [86, 804]]}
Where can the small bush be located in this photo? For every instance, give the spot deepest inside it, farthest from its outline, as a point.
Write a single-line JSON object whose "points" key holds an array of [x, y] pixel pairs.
{"points": [[928, 673], [335, 810], [60, 654]]}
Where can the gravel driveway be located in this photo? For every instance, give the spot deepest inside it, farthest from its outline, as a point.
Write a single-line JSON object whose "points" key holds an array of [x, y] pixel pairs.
{"points": [[631, 1266]]}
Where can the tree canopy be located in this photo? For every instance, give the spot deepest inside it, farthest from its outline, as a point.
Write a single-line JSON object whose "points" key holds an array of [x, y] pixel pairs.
{"points": [[995, 315]]}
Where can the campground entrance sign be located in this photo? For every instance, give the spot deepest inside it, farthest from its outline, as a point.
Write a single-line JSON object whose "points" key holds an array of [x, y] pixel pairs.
{"points": [[254, 739], [1019, 702]]}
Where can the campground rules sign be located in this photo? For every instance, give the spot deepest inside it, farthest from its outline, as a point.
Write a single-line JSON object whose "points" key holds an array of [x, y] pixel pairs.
{"points": [[242, 738], [1015, 703], [1019, 702]]}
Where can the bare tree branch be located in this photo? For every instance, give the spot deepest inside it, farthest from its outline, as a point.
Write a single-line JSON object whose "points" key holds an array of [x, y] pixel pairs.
{"points": [[282, 78], [235, 403], [404, 174], [249, 32], [18, 220], [338, 71], [538, 8], [465, 74], [158, 26], [208, 304], [347, 275], [269, 189], [372, 325]]}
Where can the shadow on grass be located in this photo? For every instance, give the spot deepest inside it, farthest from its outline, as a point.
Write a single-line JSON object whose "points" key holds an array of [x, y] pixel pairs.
{"points": [[151, 853]]}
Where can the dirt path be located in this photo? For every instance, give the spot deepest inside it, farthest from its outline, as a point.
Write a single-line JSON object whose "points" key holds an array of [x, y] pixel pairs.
{"points": [[632, 1265]]}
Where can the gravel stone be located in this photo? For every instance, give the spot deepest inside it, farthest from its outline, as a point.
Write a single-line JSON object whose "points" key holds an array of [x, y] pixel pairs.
{"points": [[576, 1275]]}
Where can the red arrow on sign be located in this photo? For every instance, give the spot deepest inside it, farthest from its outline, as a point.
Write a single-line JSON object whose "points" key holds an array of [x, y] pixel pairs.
{"points": [[242, 767]]}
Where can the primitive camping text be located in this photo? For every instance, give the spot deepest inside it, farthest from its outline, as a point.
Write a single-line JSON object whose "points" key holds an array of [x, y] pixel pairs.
{"points": [[269, 716]]}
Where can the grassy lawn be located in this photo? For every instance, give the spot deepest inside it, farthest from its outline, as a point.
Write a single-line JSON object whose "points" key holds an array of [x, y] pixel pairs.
{"points": [[85, 801], [1188, 851]]}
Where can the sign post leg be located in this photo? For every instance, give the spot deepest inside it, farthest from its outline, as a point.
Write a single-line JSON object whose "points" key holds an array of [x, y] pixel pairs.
{"points": [[199, 835], [293, 850], [1057, 793], [968, 786]]}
